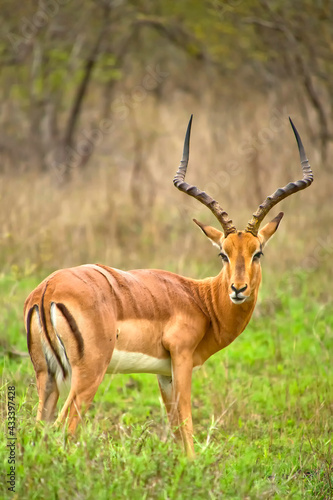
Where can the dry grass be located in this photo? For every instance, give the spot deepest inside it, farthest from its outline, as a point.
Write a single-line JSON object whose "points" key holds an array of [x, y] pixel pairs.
{"points": [[240, 153]]}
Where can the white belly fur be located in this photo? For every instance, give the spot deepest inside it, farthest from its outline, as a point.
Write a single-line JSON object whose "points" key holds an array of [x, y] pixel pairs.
{"points": [[136, 362]]}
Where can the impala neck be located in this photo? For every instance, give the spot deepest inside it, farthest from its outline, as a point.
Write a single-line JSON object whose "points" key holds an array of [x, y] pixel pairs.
{"points": [[228, 320]]}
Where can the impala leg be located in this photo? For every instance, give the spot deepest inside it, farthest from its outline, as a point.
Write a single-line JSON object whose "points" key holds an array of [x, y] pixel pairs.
{"points": [[80, 397], [76, 405], [48, 394], [182, 366], [166, 389]]}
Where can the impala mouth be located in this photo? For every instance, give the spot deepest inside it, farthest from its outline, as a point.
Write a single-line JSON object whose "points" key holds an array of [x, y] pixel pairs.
{"points": [[237, 299]]}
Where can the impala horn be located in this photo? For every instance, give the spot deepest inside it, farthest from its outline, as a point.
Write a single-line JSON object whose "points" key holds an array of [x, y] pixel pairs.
{"points": [[204, 198], [281, 193]]}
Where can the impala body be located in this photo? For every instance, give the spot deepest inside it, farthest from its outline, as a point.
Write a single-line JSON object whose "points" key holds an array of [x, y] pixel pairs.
{"points": [[90, 320]]}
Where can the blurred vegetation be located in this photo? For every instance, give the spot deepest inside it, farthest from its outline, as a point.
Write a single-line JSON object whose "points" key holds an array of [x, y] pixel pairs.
{"points": [[95, 98]]}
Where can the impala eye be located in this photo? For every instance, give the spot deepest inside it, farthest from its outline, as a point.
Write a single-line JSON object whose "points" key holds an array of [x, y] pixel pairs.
{"points": [[224, 257], [257, 255]]}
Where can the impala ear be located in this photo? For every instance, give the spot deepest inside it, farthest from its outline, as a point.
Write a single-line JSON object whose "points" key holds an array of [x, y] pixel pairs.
{"points": [[267, 231], [215, 236]]}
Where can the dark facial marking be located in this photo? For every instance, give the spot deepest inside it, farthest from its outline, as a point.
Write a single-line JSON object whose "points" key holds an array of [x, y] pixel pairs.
{"points": [[240, 265]]}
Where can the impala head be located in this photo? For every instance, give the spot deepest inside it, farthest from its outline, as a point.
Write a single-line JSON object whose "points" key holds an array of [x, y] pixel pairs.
{"points": [[241, 251]]}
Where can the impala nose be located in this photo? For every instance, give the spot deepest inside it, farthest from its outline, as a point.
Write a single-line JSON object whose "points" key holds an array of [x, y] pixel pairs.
{"points": [[238, 290]]}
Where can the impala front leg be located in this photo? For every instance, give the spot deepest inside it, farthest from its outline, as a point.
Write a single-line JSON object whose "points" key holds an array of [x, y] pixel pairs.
{"points": [[166, 389], [182, 366]]}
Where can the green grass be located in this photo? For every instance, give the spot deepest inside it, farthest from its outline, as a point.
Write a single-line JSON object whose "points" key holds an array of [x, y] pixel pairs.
{"points": [[262, 412]]}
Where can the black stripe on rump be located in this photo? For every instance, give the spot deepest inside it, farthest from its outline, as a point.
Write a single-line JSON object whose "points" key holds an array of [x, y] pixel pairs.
{"points": [[28, 325], [73, 326], [43, 319]]}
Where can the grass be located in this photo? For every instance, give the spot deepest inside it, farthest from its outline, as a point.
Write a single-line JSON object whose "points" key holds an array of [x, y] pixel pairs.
{"points": [[262, 413]]}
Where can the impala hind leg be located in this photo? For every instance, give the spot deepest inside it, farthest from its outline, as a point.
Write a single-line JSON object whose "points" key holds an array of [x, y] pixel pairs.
{"points": [[48, 394], [84, 386]]}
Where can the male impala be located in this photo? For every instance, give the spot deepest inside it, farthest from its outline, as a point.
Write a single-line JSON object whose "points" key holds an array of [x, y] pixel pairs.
{"points": [[90, 320]]}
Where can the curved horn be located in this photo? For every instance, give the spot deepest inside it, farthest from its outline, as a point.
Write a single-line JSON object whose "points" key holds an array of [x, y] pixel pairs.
{"points": [[201, 196], [281, 193]]}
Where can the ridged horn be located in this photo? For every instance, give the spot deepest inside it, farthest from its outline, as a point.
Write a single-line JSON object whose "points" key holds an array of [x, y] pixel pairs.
{"points": [[204, 198], [281, 193]]}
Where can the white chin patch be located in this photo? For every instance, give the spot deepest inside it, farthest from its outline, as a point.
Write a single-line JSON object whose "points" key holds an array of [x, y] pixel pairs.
{"points": [[238, 300]]}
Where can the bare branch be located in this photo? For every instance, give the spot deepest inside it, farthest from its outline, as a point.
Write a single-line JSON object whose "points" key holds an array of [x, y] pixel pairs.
{"points": [[303, 70], [82, 89]]}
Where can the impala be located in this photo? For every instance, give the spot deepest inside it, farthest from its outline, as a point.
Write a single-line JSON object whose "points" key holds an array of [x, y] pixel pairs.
{"points": [[90, 320]]}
